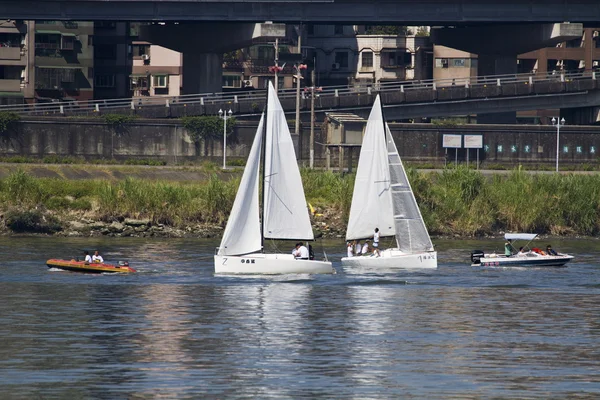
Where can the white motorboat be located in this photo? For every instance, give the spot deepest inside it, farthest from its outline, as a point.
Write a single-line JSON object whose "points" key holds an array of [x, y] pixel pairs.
{"points": [[284, 212], [533, 257], [383, 198]]}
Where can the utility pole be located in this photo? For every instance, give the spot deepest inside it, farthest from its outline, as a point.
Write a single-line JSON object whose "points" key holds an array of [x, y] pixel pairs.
{"points": [[276, 65], [312, 120], [298, 78]]}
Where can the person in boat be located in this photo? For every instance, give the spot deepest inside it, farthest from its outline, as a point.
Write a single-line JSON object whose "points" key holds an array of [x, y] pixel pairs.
{"points": [[88, 258], [300, 252], [376, 238], [550, 251], [97, 258], [357, 248], [508, 248], [350, 249], [365, 248]]}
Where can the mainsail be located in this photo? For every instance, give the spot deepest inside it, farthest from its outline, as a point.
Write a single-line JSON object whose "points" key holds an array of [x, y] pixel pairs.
{"points": [[284, 210], [372, 201], [242, 233], [411, 233]]}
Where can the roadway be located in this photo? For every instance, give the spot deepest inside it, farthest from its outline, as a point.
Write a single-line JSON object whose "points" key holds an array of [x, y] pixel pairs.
{"points": [[409, 12], [402, 100]]}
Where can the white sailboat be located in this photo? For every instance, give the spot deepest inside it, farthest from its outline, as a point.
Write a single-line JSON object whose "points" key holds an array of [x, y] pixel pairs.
{"points": [[284, 211], [383, 199]]}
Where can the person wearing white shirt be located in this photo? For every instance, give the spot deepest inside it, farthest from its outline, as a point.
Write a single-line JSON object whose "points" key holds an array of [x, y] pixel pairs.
{"points": [[88, 258], [376, 238], [300, 252], [350, 249], [358, 248], [365, 248], [97, 258]]}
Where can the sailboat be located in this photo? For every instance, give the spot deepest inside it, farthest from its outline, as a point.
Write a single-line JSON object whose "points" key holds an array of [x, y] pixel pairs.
{"points": [[383, 198], [284, 211]]}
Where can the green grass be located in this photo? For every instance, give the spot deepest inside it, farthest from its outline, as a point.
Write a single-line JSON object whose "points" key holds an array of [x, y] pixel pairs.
{"points": [[457, 201]]}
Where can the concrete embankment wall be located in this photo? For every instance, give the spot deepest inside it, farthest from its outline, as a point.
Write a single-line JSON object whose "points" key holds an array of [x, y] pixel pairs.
{"points": [[167, 140]]}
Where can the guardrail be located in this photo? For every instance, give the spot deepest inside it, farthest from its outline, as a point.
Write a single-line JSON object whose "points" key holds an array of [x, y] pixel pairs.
{"points": [[209, 103]]}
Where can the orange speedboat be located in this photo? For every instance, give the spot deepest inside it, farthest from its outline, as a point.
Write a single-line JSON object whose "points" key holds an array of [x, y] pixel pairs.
{"points": [[94, 268]]}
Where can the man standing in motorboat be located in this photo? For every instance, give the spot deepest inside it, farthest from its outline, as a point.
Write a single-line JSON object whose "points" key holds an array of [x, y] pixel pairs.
{"points": [[508, 248], [301, 252]]}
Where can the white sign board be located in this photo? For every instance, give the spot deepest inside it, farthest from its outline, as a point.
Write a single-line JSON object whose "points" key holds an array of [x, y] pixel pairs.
{"points": [[473, 141], [452, 141]]}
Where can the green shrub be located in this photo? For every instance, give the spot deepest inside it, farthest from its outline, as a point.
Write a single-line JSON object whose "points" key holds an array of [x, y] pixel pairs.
{"points": [[57, 203], [144, 161], [32, 222]]}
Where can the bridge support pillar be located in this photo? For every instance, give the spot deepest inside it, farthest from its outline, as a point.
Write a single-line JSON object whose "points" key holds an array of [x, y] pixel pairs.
{"points": [[490, 64], [202, 72]]}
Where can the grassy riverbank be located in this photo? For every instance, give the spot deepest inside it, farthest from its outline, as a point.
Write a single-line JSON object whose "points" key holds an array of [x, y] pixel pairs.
{"points": [[454, 202]]}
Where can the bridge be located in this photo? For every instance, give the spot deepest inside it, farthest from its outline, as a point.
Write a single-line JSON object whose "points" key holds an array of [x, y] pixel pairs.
{"points": [[422, 12], [402, 100]]}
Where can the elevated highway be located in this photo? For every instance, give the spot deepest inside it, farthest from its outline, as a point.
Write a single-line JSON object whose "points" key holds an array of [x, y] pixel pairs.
{"points": [[422, 12], [402, 100]]}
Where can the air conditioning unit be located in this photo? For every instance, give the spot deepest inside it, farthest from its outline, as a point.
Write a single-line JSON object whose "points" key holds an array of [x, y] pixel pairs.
{"points": [[145, 57], [248, 83], [335, 66], [595, 63]]}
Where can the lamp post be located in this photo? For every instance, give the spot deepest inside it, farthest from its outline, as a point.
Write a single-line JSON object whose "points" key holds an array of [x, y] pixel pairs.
{"points": [[558, 124], [224, 116], [298, 69]]}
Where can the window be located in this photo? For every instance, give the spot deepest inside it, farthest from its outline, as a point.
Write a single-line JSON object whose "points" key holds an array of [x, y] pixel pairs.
{"points": [[459, 62], [441, 63], [159, 81], [338, 29], [90, 40], [341, 58], [90, 73], [68, 43], [140, 49], [367, 59], [310, 29], [53, 78], [232, 81], [104, 80]]}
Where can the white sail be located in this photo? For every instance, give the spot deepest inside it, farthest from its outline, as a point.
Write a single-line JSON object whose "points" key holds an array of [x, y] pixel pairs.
{"points": [[411, 233], [372, 201], [284, 211], [242, 233]]}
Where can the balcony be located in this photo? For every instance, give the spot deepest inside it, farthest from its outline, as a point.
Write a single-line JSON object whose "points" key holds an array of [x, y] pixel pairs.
{"points": [[10, 53], [10, 85]]}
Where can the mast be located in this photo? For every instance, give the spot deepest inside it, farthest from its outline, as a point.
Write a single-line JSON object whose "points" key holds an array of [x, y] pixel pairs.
{"points": [[263, 162]]}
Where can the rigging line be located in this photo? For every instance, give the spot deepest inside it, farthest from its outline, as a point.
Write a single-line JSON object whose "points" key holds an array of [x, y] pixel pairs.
{"points": [[279, 198]]}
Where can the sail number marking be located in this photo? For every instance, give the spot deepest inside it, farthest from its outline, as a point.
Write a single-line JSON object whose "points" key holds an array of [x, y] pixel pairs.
{"points": [[248, 261], [428, 257]]}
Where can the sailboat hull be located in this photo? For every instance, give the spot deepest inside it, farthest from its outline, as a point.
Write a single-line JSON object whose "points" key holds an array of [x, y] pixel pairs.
{"points": [[392, 259], [269, 264]]}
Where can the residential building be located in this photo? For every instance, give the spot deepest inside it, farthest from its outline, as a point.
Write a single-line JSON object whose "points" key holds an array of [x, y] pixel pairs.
{"points": [[64, 61], [156, 70], [453, 66], [16, 61]]}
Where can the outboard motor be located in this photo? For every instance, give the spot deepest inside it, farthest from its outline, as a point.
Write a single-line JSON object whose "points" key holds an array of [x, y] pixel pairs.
{"points": [[476, 256]]}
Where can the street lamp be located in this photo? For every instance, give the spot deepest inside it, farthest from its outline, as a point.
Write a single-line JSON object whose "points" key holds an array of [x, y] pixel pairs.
{"points": [[224, 116], [558, 124]]}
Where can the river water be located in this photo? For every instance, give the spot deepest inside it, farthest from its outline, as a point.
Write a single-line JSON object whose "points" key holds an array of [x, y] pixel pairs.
{"points": [[174, 330]]}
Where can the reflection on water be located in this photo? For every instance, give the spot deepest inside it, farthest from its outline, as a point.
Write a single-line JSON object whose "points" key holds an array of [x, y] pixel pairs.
{"points": [[174, 330]]}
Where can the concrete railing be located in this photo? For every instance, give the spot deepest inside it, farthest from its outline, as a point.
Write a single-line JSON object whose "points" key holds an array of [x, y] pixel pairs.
{"points": [[331, 97]]}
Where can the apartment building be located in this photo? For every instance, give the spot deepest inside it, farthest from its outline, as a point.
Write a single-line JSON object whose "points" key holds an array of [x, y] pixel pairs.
{"points": [[16, 61], [64, 61], [157, 71]]}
